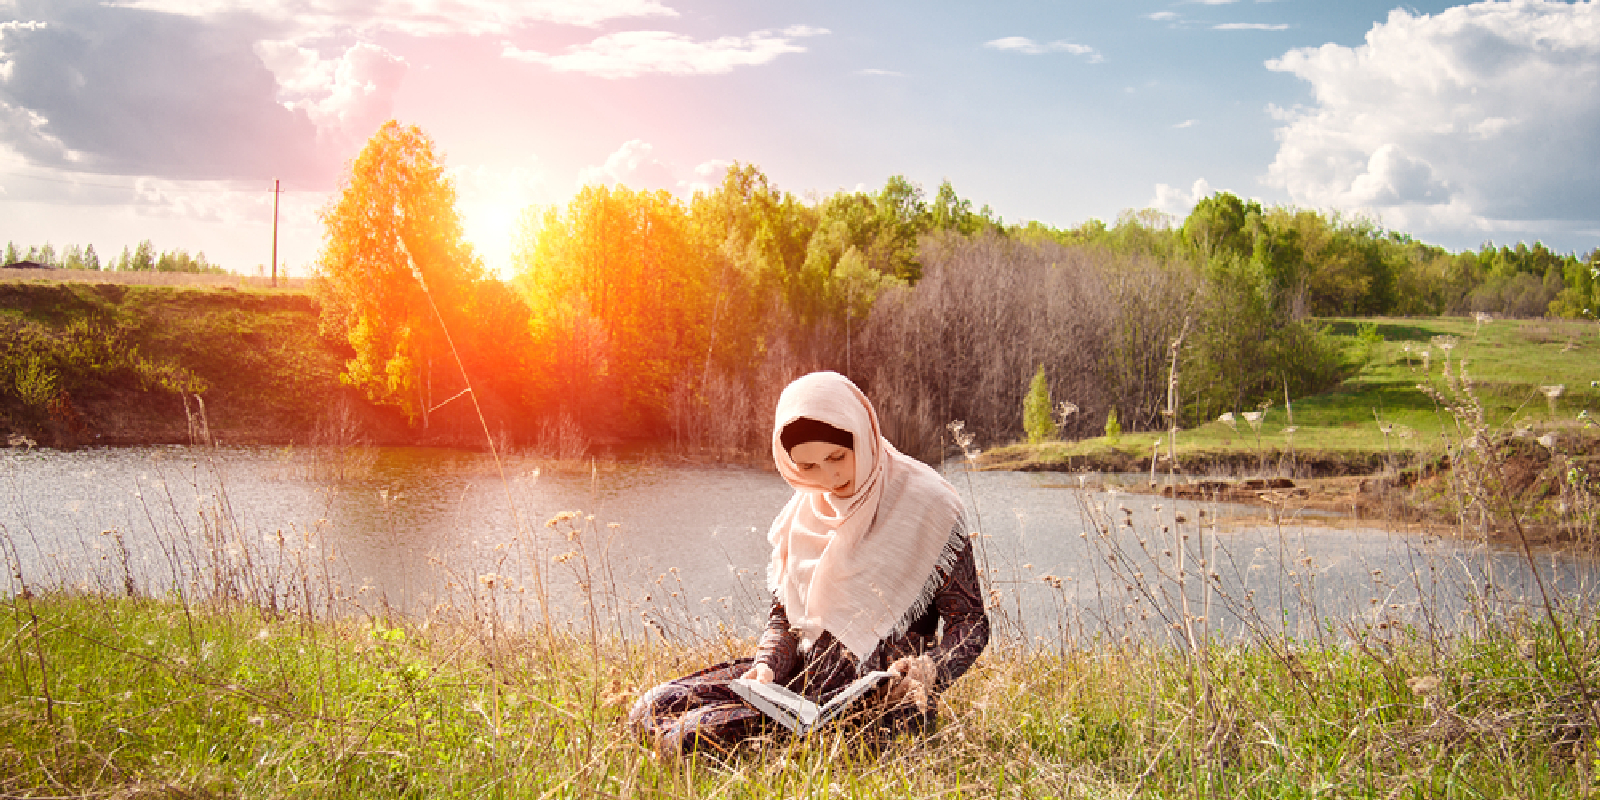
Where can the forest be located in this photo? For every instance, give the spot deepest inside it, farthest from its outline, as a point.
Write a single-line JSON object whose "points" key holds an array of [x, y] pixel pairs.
{"points": [[635, 316]]}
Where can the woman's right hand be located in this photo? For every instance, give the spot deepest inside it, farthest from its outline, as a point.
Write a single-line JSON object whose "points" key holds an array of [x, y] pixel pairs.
{"points": [[760, 673]]}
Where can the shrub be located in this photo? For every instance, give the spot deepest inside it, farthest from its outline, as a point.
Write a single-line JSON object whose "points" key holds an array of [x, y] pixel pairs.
{"points": [[1036, 418]]}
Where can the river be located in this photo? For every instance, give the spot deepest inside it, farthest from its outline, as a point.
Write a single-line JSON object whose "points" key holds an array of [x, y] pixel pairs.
{"points": [[681, 550]]}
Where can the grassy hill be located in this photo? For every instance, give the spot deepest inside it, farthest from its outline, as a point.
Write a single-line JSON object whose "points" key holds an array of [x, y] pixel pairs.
{"points": [[109, 363]]}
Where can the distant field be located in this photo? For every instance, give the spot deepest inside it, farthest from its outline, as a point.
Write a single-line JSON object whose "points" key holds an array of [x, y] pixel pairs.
{"points": [[1509, 362], [151, 278]]}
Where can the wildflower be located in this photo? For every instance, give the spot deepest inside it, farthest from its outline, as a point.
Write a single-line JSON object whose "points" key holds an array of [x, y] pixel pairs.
{"points": [[1254, 418], [1423, 685], [1065, 410], [489, 580]]}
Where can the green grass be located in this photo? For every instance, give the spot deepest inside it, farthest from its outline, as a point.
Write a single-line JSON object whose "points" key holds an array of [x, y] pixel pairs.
{"points": [[141, 698], [1508, 361], [255, 355]]}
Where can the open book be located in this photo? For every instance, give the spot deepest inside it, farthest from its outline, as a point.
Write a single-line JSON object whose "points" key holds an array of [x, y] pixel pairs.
{"points": [[797, 713]]}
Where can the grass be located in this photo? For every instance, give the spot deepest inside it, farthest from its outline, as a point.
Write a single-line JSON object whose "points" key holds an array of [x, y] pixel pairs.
{"points": [[141, 697], [256, 355], [1509, 361], [154, 279], [132, 697]]}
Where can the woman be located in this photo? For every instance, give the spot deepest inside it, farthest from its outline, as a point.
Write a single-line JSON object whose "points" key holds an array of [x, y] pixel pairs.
{"points": [[869, 557]]}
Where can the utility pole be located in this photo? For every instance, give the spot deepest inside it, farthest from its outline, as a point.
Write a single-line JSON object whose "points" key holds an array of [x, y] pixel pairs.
{"points": [[274, 233]]}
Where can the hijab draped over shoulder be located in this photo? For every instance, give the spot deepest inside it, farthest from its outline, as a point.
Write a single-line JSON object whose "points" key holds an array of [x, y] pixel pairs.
{"points": [[863, 567]]}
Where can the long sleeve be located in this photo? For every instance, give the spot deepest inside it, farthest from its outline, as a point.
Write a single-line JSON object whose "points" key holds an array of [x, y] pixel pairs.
{"points": [[779, 647], [966, 625]]}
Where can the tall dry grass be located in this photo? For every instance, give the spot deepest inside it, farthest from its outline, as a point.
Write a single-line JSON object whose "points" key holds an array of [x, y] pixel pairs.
{"points": [[155, 278]]}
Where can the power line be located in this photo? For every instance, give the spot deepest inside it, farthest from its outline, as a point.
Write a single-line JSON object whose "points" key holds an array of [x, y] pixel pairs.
{"points": [[133, 186]]}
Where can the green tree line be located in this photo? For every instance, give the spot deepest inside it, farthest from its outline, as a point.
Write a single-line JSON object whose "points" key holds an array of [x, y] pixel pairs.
{"points": [[638, 315], [143, 258]]}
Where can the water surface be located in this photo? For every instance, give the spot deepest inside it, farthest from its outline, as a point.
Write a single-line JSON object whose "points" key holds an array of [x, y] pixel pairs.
{"points": [[682, 549]]}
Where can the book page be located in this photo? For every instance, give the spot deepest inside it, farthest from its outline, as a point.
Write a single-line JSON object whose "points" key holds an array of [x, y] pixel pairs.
{"points": [[792, 710], [851, 693]]}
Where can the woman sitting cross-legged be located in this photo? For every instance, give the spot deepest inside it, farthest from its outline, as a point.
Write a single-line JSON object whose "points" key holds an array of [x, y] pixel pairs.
{"points": [[871, 569]]}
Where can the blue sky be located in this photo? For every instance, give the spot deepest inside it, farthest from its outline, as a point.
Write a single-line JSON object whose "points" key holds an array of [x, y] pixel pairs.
{"points": [[169, 119]]}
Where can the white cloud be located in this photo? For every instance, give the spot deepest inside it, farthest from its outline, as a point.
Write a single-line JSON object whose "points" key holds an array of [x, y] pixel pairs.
{"points": [[1163, 16], [885, 73], [346, 97], [1022, 44], [1250, 26], [1177, 202], [415, 17], [27, 133], [1188, 123], [707, 177], [1480, 116], [633, 165], [1394, 178], [632, 53]]}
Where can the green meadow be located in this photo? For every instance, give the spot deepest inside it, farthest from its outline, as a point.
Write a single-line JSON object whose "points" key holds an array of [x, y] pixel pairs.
{"points": [[1399, 408]]}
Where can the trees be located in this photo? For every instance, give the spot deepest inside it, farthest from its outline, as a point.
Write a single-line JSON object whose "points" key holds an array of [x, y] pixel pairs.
{"points": [[1581, 298], [393, 251], [1038, 419], [620, 302], [143, 260]]}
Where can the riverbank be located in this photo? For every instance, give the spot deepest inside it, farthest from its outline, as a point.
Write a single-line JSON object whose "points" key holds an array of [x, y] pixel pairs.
{"points": [[1538, 485]]}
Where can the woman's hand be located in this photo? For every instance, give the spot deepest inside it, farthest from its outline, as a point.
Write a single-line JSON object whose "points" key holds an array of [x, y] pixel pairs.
{"points": [[918, 667], [915, 681], [760, 673]]}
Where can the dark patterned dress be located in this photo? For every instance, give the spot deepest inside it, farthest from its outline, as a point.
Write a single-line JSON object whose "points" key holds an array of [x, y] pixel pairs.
{"points": [[700, 710]]}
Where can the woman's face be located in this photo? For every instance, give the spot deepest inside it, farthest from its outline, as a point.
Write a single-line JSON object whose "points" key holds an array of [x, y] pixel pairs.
{"points": [[830, 465]]}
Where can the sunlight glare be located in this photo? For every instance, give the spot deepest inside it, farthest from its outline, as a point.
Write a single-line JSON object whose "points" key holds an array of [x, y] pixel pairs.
{"points": [[491, 201]]}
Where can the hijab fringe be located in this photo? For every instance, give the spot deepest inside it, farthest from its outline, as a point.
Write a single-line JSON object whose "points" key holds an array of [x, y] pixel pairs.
{"points": [[953, 547]]}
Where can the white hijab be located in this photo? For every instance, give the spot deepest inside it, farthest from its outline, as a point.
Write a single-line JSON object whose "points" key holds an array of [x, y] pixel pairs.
{"points": [[865, 566]]}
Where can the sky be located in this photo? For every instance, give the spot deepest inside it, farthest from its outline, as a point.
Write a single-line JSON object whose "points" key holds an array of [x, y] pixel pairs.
{"points": [[172, 120]]}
